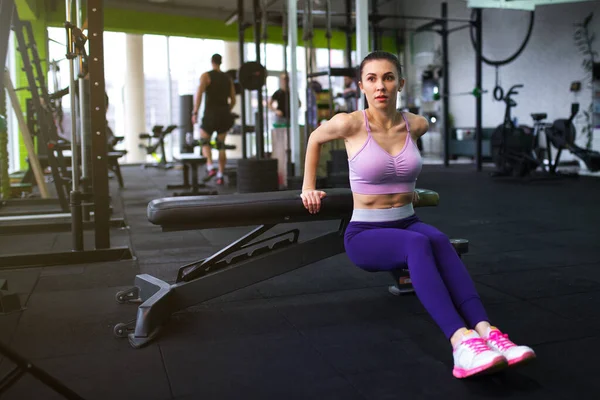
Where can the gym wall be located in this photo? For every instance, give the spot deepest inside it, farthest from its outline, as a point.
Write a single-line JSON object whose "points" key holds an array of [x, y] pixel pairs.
{"points": [[29, 10], [138, 22], [546, 67]]}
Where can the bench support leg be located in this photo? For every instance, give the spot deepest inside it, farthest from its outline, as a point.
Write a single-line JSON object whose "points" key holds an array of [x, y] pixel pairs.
{"points": [[161, 299]]}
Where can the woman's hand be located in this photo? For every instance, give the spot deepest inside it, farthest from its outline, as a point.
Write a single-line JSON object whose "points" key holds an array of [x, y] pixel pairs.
{"points": [[415, 197], [312, 200]]}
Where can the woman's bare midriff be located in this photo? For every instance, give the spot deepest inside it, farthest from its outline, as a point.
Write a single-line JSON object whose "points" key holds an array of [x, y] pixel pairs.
{"points": [[374, 201]]}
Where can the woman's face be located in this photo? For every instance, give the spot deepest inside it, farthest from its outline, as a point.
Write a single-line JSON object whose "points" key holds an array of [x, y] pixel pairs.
{"points": [[380, 83]]}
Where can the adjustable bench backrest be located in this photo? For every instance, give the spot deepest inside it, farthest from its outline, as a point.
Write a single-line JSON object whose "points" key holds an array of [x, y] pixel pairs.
{"points": [[251, 209]]}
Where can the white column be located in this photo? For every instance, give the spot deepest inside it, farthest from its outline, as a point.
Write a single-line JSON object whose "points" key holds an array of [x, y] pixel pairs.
{"points": [[231, 56], [362, 37], [134, 99], [231, 60], [293, 73]]}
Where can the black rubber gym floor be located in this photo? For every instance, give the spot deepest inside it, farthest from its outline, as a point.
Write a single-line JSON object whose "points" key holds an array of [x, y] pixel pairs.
{"points": [[329, 330]]}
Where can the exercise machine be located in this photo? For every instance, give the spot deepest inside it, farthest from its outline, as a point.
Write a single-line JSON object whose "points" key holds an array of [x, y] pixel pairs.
{"points": [[78, 201], [190, 181], [156, 144], [512, 145], [561, 135], [246, 261]]}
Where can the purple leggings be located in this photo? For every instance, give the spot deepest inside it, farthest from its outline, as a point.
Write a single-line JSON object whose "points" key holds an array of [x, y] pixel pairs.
{"points": [[439, 277]]}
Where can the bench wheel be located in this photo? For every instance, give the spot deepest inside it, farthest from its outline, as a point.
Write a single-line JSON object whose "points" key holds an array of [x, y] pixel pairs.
{"points": [[403, 286], [128, 296], [460, 245], [123, 329]]}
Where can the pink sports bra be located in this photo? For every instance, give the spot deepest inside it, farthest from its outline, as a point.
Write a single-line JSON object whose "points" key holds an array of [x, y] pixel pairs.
{"points": [[374, 171]]}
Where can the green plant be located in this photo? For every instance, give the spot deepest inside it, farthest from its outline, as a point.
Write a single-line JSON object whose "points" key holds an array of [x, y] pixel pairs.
{"points": [[584, 40]]}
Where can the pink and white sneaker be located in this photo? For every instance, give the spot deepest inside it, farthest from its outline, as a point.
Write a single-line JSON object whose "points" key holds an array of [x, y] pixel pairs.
{"points": [[503, 345], [472, 356]]}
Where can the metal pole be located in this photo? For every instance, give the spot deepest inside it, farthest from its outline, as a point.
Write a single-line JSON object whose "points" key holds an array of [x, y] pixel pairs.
{"points": [[445, 89], [478, 83], [293, 43], [75, 195], [362, 37], [266, 97], [98, 124], [328, 35], [307, 37], [375, 45], [241, 29], [83, 127], [169, 86], [349, 26], [24, 366], [260, 148], [288, 146], [6, 11]]}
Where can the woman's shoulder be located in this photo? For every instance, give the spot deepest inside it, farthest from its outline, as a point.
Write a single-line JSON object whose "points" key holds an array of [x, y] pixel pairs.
{"points": [[418, 123], [349, 122]]}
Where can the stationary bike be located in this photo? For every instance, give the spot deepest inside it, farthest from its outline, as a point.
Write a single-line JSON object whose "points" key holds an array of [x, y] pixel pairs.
{"points": [[158, 135], [561, 135], [513, 146]]}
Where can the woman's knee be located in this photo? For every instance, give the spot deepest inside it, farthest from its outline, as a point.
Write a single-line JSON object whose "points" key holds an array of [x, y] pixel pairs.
{"points": [[439, 238], [420, 241]]}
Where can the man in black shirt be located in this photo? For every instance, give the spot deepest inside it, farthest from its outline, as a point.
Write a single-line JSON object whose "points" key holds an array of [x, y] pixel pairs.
{"points": [[220, 100], [350, 94], [281, 98]]}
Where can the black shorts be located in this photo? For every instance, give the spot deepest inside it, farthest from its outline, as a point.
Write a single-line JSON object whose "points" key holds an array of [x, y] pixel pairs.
{"points": [[220, 122]]}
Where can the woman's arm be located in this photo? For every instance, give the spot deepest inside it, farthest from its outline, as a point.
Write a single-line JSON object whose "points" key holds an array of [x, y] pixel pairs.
{"points": [[418, 125], [338, 127]]}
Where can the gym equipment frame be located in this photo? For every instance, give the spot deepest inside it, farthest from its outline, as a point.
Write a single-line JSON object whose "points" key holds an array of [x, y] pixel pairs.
{"points": [[244, 262]]}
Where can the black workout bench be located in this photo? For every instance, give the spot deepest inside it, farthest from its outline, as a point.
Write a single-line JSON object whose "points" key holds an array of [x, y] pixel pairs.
{"points": [[191, 162], [113, 163], [248, 260]]}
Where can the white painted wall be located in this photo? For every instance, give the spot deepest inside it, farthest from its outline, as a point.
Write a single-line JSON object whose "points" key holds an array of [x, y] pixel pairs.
{"points": [[547, 66]]}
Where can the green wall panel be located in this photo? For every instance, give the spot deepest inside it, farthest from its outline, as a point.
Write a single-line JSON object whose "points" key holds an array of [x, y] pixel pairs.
{"points": [[43, 14], [27, 9], [38, 25], [137, 22]]}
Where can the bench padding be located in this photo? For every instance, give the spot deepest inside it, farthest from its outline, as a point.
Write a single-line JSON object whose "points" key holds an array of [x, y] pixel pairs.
{"points": [[249, 209]]}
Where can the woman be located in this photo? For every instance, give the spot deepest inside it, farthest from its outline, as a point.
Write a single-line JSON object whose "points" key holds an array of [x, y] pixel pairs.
{"points": [[384, 233]]}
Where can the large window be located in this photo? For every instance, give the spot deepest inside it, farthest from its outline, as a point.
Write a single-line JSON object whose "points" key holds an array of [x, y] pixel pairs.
{"points": [[322, 63], [157, 86], [59, 76], [172, 68], [188, 59], [156, 81], [275, 66]]}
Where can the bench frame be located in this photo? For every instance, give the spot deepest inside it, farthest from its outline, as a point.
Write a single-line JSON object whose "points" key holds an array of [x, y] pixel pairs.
{"points": [[252, 258], [244, 262], [190, 164]]}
